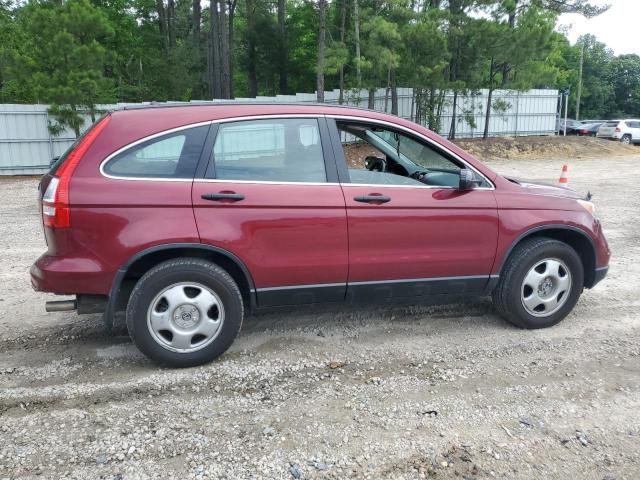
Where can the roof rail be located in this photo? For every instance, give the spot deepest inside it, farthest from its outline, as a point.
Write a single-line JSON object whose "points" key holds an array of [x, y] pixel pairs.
{"points": [[213, 103]]}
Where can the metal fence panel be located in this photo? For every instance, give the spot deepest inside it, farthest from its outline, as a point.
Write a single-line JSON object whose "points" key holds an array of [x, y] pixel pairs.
{"points": [[26, 147]]}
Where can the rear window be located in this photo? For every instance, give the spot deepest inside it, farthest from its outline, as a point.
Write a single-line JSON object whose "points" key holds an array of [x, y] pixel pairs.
{"points": [[611, 124], [173, 155]]}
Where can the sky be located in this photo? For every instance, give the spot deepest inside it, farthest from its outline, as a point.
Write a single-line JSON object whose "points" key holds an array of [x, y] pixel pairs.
{"points": [[617, 28]]}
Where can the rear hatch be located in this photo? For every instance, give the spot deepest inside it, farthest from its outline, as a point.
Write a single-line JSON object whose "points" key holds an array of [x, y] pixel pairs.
{"points": [[608, 129]]}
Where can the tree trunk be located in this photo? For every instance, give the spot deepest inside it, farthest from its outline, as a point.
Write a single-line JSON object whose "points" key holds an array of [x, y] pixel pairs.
{"points": [[356, 22], [442, 95], [225, 80], [452, 129], [231, 44], [196, 18], [284, 58], [488, 114], [162, 22], [387, 90], [322, 6], [506, 68], [251, 49], [394, 93], [432, 108], [343, 20], [214, 40], [492, 68], [171, 22]]}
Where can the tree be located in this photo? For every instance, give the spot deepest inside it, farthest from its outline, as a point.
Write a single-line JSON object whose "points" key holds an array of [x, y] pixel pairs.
{"points": [[518, 51], [322, 31], [426, 55], [282, 31], [624, 76], [64, 59]]}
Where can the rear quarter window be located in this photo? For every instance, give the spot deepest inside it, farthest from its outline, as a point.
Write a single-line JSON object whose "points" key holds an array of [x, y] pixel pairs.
{"points": [[172, 155]]}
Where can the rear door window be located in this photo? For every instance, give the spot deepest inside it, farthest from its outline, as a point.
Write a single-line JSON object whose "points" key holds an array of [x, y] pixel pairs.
{"points": [[173, 155], [272, 150]]}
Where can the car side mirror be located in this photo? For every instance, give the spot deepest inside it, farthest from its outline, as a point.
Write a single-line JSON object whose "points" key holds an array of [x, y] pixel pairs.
{"points": [[468, 180]]}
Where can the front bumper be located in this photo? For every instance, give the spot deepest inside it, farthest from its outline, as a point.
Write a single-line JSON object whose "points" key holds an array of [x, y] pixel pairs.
{"points": [[599, 275]]}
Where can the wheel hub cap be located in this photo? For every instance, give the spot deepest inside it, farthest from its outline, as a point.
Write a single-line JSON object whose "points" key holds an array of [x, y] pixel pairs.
{"points": [[185, 317], [546, 287]]}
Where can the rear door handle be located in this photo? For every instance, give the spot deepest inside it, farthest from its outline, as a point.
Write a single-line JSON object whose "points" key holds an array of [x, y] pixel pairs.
{"points": [[372, 199], [222, 196]]}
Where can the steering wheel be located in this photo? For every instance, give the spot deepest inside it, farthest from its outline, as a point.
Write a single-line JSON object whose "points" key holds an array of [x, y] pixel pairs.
{"points": [[420, 175], [375, 164]]}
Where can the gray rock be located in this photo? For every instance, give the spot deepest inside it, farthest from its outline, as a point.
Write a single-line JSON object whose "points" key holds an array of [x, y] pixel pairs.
{"points": [[295, 471]]}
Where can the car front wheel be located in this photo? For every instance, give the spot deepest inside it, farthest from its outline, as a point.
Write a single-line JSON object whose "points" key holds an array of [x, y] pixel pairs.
{"points": [[540, 283], [184, 312]]}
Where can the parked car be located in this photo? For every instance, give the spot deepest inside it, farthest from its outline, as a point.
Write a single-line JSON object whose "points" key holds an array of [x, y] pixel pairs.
{"points": [[571, 126], [589, 129], [179, 220], [626, 131]]}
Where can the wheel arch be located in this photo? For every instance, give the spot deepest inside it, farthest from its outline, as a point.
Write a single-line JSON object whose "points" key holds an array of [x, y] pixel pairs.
{"points": [[575, 237], [128, 275]]}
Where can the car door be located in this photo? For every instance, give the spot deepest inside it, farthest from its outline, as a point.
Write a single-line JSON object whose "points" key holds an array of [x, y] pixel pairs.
{"points": [[408, 238], [270, 196]]}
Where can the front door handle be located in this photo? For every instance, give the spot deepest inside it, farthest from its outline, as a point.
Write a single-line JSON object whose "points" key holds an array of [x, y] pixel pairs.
{"points": [[372, 199], [222, 196]]}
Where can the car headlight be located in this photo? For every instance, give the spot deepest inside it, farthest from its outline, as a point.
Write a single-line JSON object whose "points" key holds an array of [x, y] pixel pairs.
{"points": [[588, 206]]}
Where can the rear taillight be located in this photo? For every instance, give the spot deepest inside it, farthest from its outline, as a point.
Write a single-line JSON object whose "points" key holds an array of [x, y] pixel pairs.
{"points": [[55, 201], [618, 130]]}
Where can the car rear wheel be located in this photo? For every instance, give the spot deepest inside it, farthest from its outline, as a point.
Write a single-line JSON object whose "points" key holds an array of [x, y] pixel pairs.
{"points": [[185, 312], [540, 284], [626, 139]]}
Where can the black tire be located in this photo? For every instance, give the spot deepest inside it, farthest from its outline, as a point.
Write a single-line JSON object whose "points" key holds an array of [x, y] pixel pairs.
{"points": [[626, 139], [507, 294], [173, 272]]}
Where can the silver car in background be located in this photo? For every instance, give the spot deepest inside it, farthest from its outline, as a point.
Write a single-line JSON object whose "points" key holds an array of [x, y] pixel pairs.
{"points": [[625, 131]]}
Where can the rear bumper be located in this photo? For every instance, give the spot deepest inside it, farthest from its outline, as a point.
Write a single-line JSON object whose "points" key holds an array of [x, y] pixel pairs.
{"points": [[70, 276]]}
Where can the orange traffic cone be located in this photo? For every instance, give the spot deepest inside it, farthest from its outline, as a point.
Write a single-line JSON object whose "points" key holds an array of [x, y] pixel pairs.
{"points": [[563, 176]]}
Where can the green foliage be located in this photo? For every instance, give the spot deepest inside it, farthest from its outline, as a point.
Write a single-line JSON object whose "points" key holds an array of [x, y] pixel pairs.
{"points": [[77, 54], [62, 59]]}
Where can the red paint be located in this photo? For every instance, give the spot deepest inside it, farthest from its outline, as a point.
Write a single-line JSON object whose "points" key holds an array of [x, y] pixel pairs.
{"points": [[291, 234]]}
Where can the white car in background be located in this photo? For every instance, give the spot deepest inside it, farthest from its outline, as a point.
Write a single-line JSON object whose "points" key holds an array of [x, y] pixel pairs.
{"points": [[626, 131]]}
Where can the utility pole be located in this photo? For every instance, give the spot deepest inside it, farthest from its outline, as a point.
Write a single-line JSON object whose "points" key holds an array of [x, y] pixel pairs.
{"points": [[579, 83], [566, 109]]}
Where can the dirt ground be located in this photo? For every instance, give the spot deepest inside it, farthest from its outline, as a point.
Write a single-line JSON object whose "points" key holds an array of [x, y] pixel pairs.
{"points": [[545, 147], [403, 392]]}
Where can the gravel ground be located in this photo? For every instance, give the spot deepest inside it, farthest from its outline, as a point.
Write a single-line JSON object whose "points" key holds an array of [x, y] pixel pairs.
{"points": [[387, 392]]}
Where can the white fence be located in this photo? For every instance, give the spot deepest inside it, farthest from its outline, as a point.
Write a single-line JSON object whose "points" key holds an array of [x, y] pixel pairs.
{"points": [[26, 147]]}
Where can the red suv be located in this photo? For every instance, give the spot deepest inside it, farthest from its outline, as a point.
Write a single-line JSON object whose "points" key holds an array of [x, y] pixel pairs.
{"points": [[177, 219]]}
